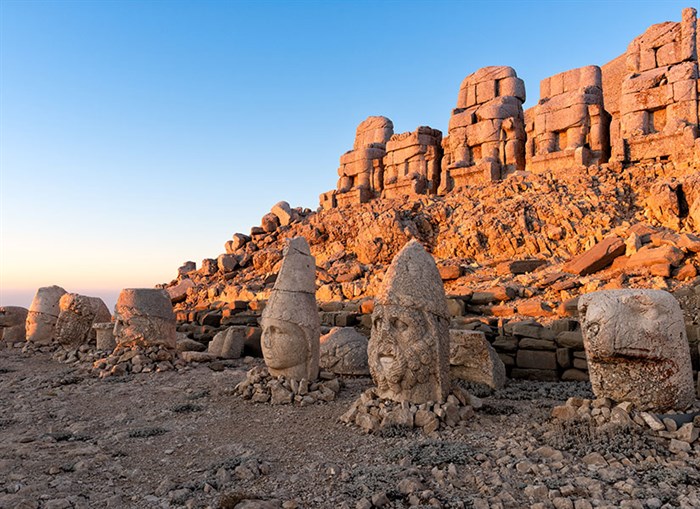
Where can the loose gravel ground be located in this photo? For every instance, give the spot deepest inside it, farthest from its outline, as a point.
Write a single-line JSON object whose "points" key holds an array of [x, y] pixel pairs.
{"points": [[184, 439]]}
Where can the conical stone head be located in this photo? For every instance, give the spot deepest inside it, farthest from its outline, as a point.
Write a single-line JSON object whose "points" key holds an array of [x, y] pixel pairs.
{"points": [[408, 351], [290, 321]]}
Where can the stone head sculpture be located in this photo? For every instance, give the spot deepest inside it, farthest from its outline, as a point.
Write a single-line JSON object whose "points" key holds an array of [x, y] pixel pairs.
{"points": [[144, 316], [43, 314], [290, 321], [408, 351], [637, 348], [78, 314], [13, 323]]}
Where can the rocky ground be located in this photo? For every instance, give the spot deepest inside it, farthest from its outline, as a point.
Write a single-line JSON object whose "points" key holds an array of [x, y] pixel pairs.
{"points": [[183, 438]]}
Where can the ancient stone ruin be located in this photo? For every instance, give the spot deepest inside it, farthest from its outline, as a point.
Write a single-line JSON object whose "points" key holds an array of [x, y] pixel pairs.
{"points": [[640, 107], [361, 169], [637, 348]]}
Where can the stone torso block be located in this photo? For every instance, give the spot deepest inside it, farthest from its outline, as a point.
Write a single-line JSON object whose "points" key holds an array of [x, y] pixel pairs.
{"points": [[637, 348], [659, 101], [412, 162], [486, 134], [569, 126]]}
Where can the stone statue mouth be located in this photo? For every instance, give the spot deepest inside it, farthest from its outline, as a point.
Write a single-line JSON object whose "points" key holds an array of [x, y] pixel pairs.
{"points": [[386, 360]]}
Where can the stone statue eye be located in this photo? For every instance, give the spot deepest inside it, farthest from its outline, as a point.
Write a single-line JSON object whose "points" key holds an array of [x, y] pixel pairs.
{"points": [[377, 322], [593, 328], [399, 324]]}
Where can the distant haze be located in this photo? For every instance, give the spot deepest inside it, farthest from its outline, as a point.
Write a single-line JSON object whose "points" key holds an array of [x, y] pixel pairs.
{"points": [[137, 135]]}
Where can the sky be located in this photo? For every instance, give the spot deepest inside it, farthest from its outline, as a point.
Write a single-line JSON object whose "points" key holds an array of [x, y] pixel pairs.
{"points": [[136, 135]]}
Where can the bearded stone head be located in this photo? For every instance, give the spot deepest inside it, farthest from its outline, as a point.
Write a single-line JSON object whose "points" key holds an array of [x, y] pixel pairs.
{"points": [[408, 352]]}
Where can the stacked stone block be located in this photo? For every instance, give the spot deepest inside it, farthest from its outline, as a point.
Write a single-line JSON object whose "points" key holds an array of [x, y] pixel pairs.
{"points": [[659, 100], [486, 136], [569, 127], [412, 163], [361, 169]]}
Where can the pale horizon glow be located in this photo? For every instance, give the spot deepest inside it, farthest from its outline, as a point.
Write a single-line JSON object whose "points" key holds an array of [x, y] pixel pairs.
{"points": [[138, 135]]}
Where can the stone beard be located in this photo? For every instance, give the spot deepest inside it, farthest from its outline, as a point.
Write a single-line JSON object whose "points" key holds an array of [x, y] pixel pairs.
{"points": [[403, 353]]}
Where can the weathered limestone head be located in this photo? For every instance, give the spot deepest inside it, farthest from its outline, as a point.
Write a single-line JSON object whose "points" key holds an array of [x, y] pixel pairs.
{"points": [[408, 351], [13, 321], [77, 315], [637, 348], [43, 313], [144, 316], [373, 130], [290, 321]]}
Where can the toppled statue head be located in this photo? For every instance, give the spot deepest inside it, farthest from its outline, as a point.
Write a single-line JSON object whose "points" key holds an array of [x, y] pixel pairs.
{"points": [[408, 351], [43, 314], [144, 316], [637, 348], [290, 321]]}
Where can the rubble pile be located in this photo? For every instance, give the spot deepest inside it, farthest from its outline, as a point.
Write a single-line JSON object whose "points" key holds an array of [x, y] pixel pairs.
{"points": [[261, 387]]}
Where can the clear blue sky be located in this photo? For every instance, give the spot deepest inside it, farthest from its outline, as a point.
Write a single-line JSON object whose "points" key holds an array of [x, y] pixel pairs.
{"points": [[135, 135]]}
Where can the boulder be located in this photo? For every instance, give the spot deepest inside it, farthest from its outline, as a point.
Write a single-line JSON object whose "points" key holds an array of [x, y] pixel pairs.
{"points": [[472, 358], [228, 343], [344, 352]]}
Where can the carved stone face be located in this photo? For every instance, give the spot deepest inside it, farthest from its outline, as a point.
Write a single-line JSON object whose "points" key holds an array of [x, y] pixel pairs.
{"points": [[637, 348], [402, 354], [285, 348]]}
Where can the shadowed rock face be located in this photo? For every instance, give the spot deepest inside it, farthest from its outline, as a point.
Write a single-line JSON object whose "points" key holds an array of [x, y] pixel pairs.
{"points": [[43, 314], [290, 321], [637, 348], [144, 316], [408, 351], [78, 314]]}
